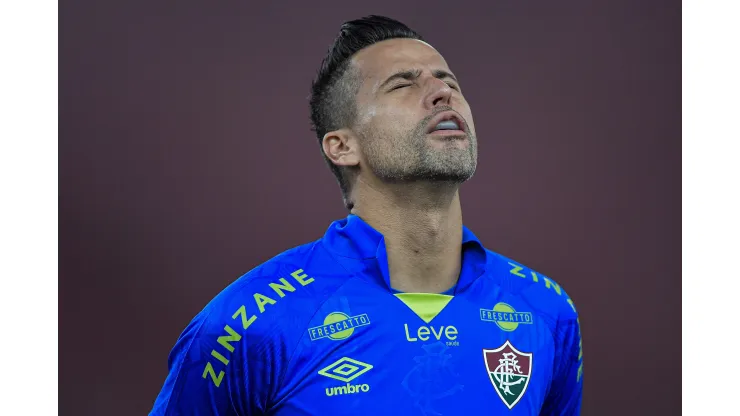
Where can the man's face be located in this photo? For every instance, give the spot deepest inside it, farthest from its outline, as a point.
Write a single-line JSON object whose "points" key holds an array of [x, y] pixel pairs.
{"points": [[407, 90]]}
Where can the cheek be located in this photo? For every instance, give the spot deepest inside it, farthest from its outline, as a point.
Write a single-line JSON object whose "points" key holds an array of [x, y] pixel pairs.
{"points": [[394, 121], [471, 123], [468, 114], [367, 115]]}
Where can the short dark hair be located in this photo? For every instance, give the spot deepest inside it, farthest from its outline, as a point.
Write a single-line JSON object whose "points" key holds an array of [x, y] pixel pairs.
{"points": [[334, 90]]}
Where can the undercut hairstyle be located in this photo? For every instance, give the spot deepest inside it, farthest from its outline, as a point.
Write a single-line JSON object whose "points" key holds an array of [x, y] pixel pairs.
{"points": [[334, 91]]}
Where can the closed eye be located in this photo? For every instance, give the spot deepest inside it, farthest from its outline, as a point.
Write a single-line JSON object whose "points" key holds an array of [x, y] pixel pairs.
{"points": [[399, 86], [453, 86]]}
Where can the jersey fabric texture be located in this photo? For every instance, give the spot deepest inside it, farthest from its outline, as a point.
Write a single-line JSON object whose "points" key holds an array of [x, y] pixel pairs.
{"points": [[318, 330]]}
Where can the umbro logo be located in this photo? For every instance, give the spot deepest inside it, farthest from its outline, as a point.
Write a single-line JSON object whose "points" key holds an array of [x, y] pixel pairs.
{"points": [[346, 370]]}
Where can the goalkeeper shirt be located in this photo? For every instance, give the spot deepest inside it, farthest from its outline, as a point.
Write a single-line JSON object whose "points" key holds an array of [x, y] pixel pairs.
{"points": [[318, 330]]}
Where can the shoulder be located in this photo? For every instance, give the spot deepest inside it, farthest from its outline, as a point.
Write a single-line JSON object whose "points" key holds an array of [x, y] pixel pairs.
{"points": [[243, 334], [275, 297], [540, 290]]}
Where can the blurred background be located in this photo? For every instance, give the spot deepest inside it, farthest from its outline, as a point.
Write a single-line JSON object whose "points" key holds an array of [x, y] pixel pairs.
{"points": [[186, 160]]}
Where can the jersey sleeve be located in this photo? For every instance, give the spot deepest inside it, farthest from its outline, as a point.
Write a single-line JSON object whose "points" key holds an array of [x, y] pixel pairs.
{"points": [[566, 390], [212, 369]]}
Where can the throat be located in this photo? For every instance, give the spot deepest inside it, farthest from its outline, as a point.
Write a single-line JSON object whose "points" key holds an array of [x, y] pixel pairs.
{"points": [[430, 269], [422, 235]]}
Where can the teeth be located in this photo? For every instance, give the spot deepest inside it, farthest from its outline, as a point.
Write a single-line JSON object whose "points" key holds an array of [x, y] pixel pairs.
{"points": [[447, 125]]}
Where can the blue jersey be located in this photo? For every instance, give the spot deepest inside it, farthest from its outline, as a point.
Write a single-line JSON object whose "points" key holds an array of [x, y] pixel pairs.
{"points": [[318, 330]]}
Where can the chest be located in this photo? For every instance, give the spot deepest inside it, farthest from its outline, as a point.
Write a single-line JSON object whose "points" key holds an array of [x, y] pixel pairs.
{"points": [[420, 355]]}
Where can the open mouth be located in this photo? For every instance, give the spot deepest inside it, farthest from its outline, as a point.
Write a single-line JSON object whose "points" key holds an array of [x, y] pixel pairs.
{"points": [[447, 122]]}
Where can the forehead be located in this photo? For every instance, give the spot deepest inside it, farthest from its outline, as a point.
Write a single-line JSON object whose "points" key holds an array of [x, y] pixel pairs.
{"points": [[383, 59]]}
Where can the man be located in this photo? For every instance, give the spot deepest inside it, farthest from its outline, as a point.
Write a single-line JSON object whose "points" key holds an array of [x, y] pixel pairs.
{"points": [[398, 309]]}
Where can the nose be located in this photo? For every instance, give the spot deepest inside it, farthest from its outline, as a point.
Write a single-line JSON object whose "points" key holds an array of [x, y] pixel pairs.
{"points": [[439, 93]]}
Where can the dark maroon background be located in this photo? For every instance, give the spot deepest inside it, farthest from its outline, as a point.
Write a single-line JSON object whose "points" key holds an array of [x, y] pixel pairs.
{"points": [[186, 160]]}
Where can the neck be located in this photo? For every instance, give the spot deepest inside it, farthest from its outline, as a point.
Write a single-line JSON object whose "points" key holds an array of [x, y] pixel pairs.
{"points": [[422, 227]]}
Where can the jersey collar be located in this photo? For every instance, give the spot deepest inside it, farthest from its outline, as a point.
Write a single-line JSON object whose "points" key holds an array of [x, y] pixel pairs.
{"points": [[353, 238]]}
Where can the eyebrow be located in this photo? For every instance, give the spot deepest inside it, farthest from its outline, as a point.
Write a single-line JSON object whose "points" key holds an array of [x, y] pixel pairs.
{"points": [[412, 74]]}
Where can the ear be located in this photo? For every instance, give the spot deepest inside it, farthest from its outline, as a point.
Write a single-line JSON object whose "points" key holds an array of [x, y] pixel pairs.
{"points": [[341, 147]]}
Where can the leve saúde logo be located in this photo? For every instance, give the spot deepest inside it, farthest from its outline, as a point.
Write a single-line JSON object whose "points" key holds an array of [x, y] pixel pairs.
{"points": [[346, 369], [509, 370]]}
